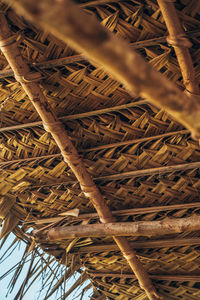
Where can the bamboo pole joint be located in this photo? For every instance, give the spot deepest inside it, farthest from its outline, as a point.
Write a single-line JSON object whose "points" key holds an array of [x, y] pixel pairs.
{"points": [[179, 41]]}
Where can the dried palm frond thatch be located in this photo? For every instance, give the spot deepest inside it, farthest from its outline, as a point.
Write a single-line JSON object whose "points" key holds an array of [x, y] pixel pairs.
{"points": [[144, 163]]}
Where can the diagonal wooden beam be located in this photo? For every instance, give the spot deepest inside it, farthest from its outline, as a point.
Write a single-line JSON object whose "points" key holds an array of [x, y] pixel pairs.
{"points": [[141, 228], [177, 38], [51, 123], [74, 26], [98, 2]]}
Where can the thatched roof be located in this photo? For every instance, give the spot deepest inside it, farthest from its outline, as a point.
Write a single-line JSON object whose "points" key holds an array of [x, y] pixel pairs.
{"points": [[137, 162]]}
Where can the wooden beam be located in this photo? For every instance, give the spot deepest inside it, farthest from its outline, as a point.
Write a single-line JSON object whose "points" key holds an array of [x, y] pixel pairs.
{"points": [[74, 26], [141, 228], [98, 2], [52, 124], [135, 141], [177, 38], [162, 39]]}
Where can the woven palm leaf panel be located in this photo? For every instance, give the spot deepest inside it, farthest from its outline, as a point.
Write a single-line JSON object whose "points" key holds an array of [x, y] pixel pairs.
{"points": [[126, 144]]}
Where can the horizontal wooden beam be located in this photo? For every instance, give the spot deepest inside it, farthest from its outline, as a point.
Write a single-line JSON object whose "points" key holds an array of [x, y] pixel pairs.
{"points": [[48, 64], [97, 2], [162, 39], [135, 141], [141, 228], [146, 244]]}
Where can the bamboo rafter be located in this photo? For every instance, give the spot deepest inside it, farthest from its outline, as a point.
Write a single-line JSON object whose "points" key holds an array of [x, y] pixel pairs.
{"points": [[177, 38], [107, 146], [55, 127], [82, 32]]}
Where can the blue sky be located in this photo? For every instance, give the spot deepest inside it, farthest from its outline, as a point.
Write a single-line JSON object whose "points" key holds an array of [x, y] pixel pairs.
{"points": [[33, 293], [7, 264]]}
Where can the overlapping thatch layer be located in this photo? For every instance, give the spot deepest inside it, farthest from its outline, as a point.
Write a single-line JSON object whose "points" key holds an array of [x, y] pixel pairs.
{"points": [[145, 164]]}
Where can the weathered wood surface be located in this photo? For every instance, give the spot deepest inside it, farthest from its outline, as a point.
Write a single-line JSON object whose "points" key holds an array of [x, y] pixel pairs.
{"points": [[141, 228]]}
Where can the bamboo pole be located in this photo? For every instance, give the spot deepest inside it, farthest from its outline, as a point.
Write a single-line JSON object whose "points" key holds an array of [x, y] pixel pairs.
{"points": [[72, 25], [52, 124], [177, 38], [141, 228]]}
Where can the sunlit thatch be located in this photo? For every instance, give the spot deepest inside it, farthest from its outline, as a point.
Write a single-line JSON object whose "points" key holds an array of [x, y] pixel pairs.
{"points": [[145, 163]]}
